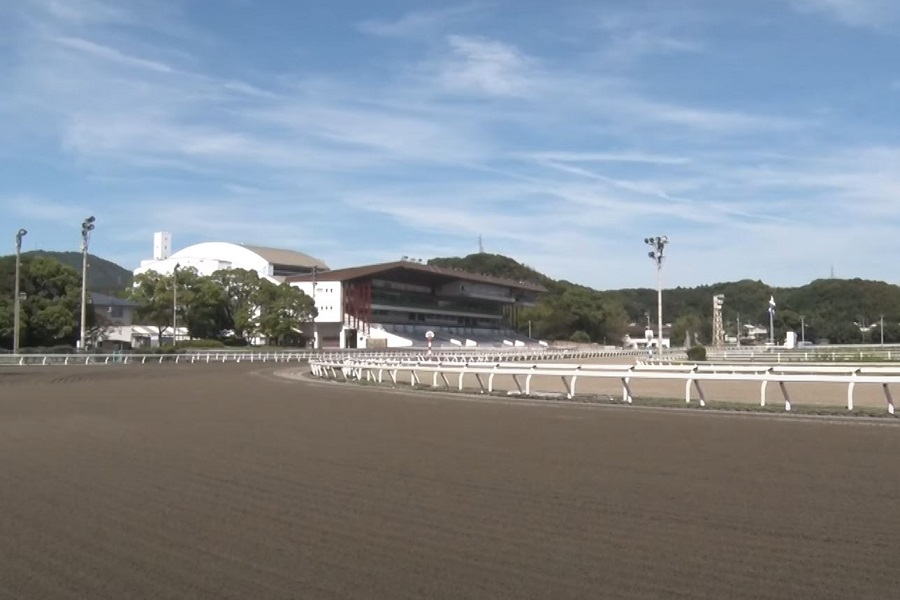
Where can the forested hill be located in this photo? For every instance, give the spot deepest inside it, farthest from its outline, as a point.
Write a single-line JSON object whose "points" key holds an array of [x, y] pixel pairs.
{"points": [[830, 306], [494, 265], [105, 277]]}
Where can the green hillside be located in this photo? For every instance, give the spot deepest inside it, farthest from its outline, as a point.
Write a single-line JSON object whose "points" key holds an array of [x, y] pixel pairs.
{"points": [[104, 276], [829, 307]]}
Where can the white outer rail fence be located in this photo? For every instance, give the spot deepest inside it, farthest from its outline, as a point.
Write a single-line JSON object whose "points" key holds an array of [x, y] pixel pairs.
{"points": [[822, 354], [692, 376], [485, 355]]}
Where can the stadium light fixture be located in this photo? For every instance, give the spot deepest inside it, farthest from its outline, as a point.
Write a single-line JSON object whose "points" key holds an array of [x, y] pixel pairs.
{"points": [[17, 301], [658, 245], [87, 226]]}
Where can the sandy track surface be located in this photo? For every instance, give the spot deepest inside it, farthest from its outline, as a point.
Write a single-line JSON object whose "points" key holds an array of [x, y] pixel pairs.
{"points": [[223, 482]]}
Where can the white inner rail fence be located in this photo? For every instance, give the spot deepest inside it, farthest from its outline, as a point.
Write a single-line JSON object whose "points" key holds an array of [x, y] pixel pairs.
{"points": [[483, 355], [693, 376]]}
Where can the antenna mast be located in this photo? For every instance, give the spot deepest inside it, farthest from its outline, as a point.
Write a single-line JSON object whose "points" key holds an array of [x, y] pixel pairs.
{"points": [[480, 245]]}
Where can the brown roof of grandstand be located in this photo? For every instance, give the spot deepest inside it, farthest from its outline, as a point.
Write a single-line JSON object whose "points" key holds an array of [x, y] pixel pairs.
{"points": [[368, 270], [289, 258]]}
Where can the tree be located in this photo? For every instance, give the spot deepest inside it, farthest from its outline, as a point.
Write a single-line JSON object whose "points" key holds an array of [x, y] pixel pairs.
{"points": [[283, 311], [240, 288], [154, 292], [891, 333], [842, 332], [97, 329], [685, 327], [201, 305], [580, 337], [51, 310]]}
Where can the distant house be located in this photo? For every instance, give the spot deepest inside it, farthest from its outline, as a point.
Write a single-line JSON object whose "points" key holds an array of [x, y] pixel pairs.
{"points": [[112, 311], [114, 318], [754, 333]]}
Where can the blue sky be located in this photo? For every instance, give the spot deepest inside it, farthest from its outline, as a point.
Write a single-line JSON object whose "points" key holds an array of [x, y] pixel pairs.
{"points": [[761, 136]]}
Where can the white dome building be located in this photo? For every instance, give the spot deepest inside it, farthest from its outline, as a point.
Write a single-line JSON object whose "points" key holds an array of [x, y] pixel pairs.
{"points": [[208, 257]]}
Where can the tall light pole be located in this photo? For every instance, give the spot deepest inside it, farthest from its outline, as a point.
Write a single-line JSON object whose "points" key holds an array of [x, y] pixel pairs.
{"points": [[17, 301], [658, 244], [315, 273], [175, 303], [87, 226], [881, 329], [802, 328]]}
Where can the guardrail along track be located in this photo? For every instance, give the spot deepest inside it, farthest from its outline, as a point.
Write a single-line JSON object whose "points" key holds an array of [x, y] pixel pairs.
{"points": [[526, 377], [487, 355], [818, 355]]}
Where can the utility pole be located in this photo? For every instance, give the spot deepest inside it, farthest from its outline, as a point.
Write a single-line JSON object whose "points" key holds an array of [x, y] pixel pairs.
{"points": [[315, 273], [86, 227], [658, 244], [802, 328], [881, 329], [175, 304], [17, 300]]}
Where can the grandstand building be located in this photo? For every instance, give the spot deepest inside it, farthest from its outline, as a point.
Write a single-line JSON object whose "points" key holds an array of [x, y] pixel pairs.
{"points": [[394, 304]]}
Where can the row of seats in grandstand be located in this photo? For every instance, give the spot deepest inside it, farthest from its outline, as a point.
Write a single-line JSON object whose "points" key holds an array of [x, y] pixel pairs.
{"points": [[446, 336]]}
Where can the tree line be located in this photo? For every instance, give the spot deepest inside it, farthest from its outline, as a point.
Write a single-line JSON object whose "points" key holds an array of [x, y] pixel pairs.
{"points": [[234, 304], [230, 304], [831, 309]]}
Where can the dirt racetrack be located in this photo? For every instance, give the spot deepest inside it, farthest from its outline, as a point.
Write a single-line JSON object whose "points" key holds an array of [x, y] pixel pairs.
{"points": [[221, 481]]}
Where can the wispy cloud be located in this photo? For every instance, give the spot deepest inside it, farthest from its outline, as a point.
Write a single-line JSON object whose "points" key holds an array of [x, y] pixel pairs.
{"points": [[483, 66], [110, 54], [418, 24], [628, 36], [876, 14], [601, 157]]}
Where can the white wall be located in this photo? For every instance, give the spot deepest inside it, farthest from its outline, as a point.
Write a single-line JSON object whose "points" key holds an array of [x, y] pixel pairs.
{"points": [[393, 341], [329, 299], [162, 245]]}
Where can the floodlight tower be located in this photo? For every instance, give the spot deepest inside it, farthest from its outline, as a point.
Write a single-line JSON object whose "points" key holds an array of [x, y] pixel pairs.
{"points": [[718, 324], [17, 298], [175, 304], [315, 283], [87, 226], [658, 244]]}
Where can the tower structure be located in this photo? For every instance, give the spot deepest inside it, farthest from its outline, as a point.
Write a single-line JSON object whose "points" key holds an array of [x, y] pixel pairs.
{"points": [[718, 329]]}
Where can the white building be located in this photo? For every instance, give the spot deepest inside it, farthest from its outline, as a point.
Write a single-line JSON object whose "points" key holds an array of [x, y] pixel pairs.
{"points": [[208, 257], [648, 341]]}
